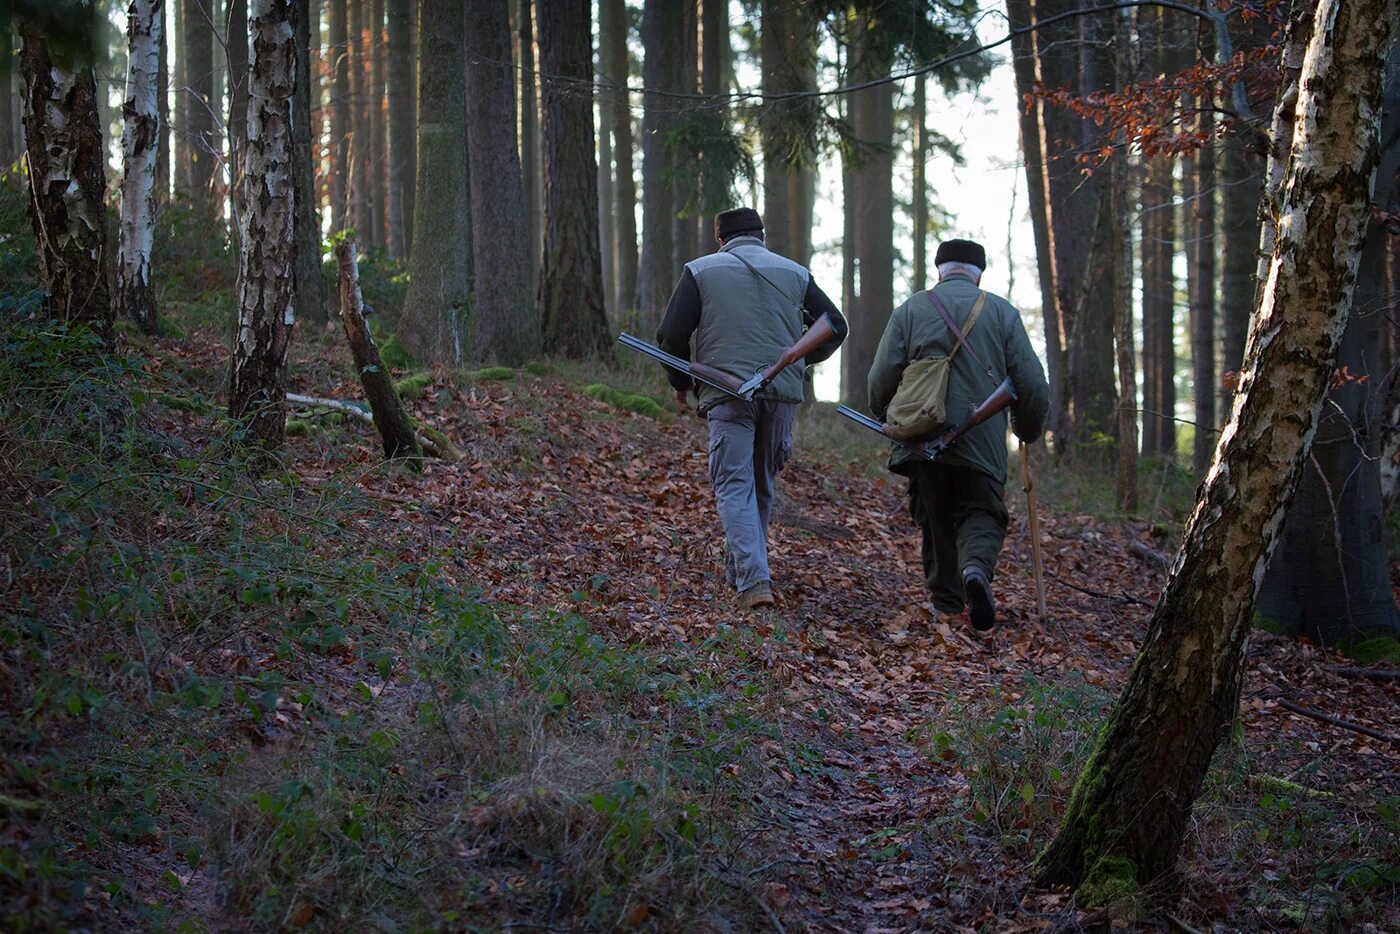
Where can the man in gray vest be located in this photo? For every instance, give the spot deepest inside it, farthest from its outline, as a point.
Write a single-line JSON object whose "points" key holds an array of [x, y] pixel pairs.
{"points": [[957, 501], [744, 306]]}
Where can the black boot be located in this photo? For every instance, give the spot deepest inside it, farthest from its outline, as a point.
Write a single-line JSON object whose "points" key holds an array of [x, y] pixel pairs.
{"points": [[981, 608]]}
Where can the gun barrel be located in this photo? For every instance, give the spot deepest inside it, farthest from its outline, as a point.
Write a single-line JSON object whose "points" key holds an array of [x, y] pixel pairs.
{"points": [[704, 374], [860, 419]]}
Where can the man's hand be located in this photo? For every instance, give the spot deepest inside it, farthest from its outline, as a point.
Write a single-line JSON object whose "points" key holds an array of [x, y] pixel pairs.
{"points": [[683, 400]]}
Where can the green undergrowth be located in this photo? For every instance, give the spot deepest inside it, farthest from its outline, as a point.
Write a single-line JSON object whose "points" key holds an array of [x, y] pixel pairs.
{"points": [[627, 401], [240, 696], [492, 374], [414, 386]]}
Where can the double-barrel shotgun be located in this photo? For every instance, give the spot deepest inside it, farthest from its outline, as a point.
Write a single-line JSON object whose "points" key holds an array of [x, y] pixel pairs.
{"points": [[819, 333], [1001, 397]]}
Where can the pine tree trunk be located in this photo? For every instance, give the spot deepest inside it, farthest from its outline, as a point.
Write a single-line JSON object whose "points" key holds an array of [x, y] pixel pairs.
{"points": [[507, 324], [435, 314], [1200, 206], [237, 45], [872, 122], [162, 183], [683, 160], [378, 140], [607, 203], [654, 277], [197, 47], [616, 70], [1120, 193], [267, 266], [361, 169], [63, 138], [716, 184], [395, 427], [571, 278], [180, 164], [140, 156], [920, 192], [7, 104], [401, 140], [1131, 805], [775, 34], [1028, 51], [530, 138], [311, 297], [339, 52], [1329, 579]]}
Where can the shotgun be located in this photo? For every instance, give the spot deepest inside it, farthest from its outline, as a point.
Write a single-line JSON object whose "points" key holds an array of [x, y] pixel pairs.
{"points": [[1001, 397], [819, 333]]}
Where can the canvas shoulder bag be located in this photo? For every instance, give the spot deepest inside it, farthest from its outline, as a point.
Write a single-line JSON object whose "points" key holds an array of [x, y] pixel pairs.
{"points": [[920, 404]]}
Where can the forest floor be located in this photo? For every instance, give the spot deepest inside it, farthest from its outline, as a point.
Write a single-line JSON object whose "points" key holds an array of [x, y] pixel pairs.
{"points": [[643, 756]]}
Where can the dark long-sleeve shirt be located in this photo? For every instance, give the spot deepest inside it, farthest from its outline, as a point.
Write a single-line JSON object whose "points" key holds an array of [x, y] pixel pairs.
{"points": [[683, 317]]}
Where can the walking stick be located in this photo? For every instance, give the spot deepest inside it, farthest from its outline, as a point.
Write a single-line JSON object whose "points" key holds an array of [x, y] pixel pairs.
{"points": [[1028, 484]]}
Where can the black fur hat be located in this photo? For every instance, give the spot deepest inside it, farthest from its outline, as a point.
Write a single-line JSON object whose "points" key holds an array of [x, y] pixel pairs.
{"points": [[961, 251], [737, 221]]}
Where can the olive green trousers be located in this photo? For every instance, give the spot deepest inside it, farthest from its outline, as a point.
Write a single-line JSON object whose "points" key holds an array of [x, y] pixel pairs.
{"points": [[962, 514]]}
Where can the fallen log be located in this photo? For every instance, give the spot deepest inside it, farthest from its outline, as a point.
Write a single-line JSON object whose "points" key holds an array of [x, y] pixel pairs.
{"points": [[1376, 674], [1338, 721], [1138, 549], [429, 446], [395, 427]]}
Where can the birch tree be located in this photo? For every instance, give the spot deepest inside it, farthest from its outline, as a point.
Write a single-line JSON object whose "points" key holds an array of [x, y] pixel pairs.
{"points": [[1131, 805], [63, 138], [140, 155], [266, 272]]}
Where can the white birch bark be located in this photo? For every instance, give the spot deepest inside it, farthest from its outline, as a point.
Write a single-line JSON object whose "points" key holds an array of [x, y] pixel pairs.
{"points": [[141, 153], [257, 396]]}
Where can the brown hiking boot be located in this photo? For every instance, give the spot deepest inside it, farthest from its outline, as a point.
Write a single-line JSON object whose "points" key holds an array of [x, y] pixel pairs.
{"points": [[759, 595]]}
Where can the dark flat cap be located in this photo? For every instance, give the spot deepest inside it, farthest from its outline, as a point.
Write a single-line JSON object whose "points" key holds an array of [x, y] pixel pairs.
{"points": [[737, 221], [961, 251]]}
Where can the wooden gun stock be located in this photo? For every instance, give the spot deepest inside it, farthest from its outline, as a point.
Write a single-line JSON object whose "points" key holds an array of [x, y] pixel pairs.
{"points": [[1001, 397], [712, 375], [821, 331]]}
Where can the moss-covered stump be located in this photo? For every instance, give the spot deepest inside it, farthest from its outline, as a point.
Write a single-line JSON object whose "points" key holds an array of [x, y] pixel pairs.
{"points": [[627, 401]]}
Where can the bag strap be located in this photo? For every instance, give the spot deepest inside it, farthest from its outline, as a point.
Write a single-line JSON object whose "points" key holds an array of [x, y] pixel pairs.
{"points": [[960, 337], [754, 269]]}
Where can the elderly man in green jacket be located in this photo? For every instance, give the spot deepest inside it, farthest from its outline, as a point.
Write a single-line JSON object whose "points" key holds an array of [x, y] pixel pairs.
{"points": [[958, 501], [745, 305]]}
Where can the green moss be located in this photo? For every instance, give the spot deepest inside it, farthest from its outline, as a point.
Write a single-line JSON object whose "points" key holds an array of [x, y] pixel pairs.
{"points": [[1369, 651], [444, 444], [497, 374], [1110, 880], [627, 401], [395, 355], [299, 427], [538, 368], [1267, 625], [181, 403], [414, 386]]}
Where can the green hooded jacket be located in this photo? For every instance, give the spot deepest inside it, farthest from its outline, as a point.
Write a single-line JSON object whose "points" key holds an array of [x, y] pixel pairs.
{"points": [[916, 330]]}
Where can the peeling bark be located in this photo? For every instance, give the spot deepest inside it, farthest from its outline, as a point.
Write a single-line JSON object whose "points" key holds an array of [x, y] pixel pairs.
{"points": [[63, 138], [141, 154], [1130, 807], [266, 273]]}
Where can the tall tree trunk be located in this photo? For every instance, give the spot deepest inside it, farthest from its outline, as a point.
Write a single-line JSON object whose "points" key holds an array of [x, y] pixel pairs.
{"points": [[339, 52], [378, 146], [683, 161], [180, 152], [401, 141], [1329, 578], [872, 123], [1199, 173], [1158, 305], [775, 135], [140, 156], [360, 167], [1031, 60], [63, 137], [1130, 808], [237, 46], [616, 71], [1242, 182], [7, 105], [507, 325], [607, 204], [716, 183], [162, 181], [571, 278], [267, 266], [311, 292], [1087, 320], [919, 195], [1120, 193], [435, 313], [660, 39], [197, 47], [530, 139]]}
